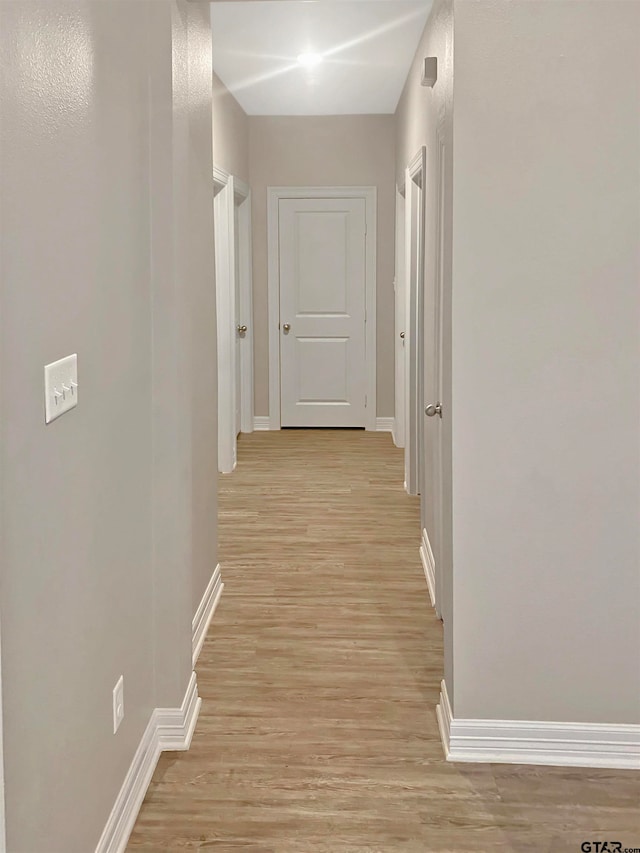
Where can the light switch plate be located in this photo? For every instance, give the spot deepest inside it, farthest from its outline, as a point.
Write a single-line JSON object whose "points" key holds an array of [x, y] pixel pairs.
{"points": [[60, 387]]}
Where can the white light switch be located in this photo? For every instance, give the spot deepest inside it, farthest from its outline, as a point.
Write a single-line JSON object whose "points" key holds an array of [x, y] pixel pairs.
{"points": [[60, 387]]}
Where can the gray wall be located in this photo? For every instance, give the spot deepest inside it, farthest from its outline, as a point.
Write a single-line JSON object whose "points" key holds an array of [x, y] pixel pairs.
{"points": [[546, 356], [201, 294], [230, 132], [324, 151], [108, 514]]}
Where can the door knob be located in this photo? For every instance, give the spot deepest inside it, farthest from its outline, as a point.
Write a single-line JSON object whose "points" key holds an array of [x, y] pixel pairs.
{"points": [[433, 409], [402, 335], [286, 328], [242, 330]]}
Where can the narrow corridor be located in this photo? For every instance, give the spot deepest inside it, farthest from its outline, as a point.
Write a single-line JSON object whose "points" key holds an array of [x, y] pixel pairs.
{"points": [[320, 676]]}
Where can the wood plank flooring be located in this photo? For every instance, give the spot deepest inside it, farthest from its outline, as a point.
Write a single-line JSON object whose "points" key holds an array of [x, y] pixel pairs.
{"points": [[319, 678]]}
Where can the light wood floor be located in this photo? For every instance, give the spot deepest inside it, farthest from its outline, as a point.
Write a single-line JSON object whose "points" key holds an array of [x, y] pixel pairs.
{"points": [[319, 678]]}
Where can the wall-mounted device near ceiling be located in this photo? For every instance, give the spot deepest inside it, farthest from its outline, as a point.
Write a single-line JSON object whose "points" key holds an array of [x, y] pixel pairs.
{"points": [[429, 71]]}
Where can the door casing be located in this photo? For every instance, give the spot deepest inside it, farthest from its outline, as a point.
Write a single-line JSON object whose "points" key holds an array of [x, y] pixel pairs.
{"points": [[274, 194]]}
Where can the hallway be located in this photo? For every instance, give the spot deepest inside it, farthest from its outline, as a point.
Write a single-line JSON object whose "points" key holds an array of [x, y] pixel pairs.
{"points": [[320, 676]]}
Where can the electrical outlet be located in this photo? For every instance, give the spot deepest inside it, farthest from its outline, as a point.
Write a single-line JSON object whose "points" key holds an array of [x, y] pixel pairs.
{"points": [[118, 704]]}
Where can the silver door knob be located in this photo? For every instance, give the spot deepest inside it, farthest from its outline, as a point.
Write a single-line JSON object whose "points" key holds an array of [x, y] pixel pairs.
{"points": [[242, 330], [286, 328], [402, 335], [433, 409]]}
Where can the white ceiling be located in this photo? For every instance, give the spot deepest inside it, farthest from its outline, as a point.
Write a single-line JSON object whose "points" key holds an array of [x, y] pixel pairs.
{"points": [[367, 48]]}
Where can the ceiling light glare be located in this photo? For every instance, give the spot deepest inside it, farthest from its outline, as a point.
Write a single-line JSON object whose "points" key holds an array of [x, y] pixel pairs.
{"points": [[309, 60]]}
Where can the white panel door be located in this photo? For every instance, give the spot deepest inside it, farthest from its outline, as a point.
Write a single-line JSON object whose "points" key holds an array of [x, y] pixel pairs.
{"points": [[322, 312], [432, 482]]}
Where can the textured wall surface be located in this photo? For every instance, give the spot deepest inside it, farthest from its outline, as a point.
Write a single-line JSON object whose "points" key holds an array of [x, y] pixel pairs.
{"points": [[108, 513], [230, 133], [546, 354]]}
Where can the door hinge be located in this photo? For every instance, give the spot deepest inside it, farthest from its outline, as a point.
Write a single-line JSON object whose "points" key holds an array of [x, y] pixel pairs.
{"points": [[365, 401]]}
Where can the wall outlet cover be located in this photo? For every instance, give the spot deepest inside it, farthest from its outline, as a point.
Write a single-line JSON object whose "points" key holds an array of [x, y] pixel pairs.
{"points": [[429, 71], [118, 704]]}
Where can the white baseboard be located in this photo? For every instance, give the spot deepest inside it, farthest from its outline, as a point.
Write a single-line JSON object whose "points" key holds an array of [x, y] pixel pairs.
{"points": [[168, 729], [204, 613], [444, 715], [175, 726], [385, 424], [613, 746], [261, 423], [429, 566]]}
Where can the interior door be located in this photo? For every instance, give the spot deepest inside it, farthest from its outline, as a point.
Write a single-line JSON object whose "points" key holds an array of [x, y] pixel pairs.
{"points": [[322, 312], [432, 487]]}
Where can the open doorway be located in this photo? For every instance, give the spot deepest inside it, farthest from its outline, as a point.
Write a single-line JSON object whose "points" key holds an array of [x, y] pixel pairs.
{"points": [[232, 237], [415, 177]]}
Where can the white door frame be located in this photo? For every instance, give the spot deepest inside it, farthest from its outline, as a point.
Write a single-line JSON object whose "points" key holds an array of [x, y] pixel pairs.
{"points": [[229, 194], [415, 178], [274, 194], [399, 288]]}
